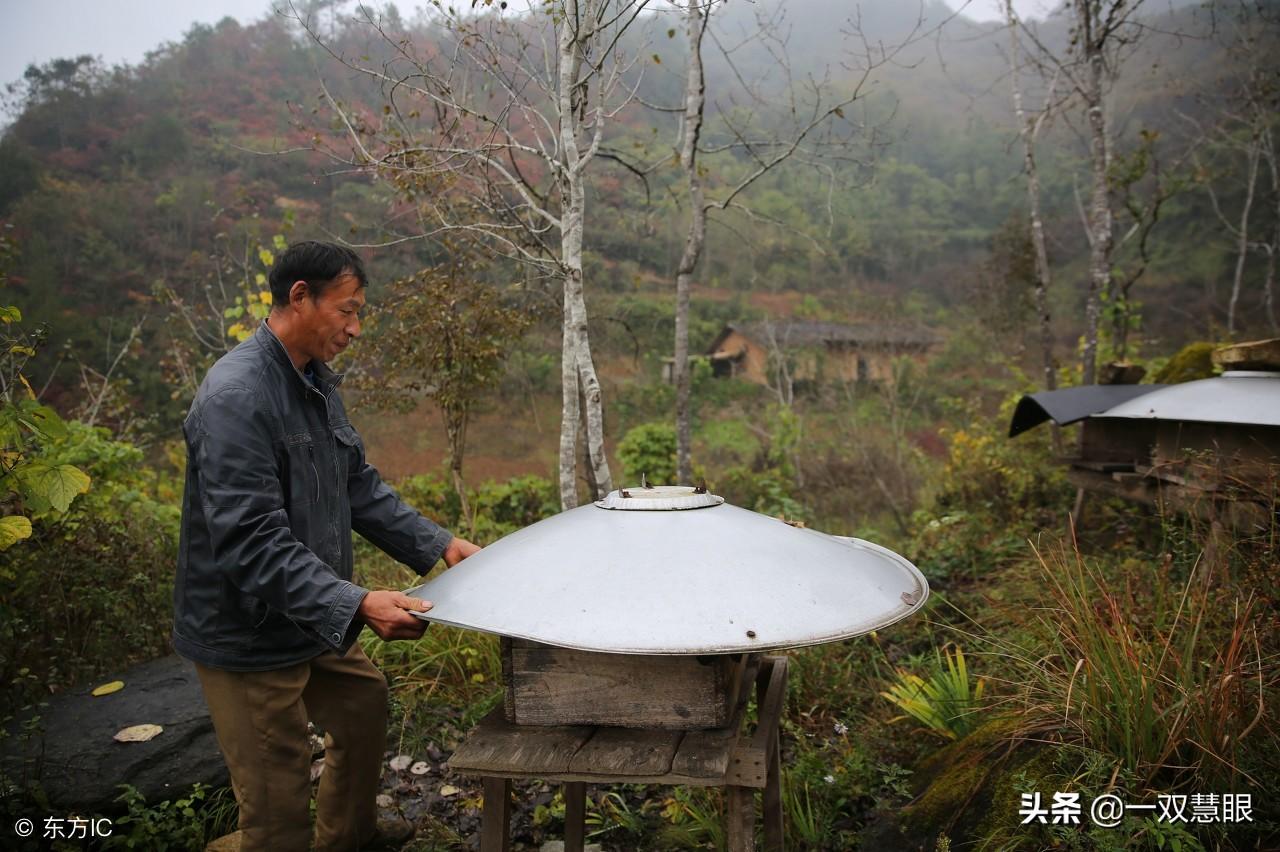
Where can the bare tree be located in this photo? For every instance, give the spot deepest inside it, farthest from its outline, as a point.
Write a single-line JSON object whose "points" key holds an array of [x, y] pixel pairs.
{"points": [[816, 107], [488, 130], [1029, 128], [1103, 31], [1243, 127], [1272, 246]]}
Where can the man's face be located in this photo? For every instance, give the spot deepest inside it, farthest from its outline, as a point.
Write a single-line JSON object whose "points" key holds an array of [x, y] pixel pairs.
{"points": [[331, 320]]}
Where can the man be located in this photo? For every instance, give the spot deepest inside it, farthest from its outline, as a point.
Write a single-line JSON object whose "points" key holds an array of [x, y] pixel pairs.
{"points": [[263, 602]]}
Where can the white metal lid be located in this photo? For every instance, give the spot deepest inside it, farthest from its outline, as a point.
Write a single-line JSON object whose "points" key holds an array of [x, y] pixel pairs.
{"points": [[714, 581], [1250, 397]]}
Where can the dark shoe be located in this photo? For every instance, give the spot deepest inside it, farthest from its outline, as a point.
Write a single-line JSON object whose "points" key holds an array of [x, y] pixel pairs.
{"points": [[392, 832]]}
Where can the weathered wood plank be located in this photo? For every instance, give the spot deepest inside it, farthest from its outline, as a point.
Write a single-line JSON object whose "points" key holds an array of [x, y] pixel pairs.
{"points": [[771, 803], [771, 688], [496, 746], [740, 819], [627, 752], [747, 768], [547, 685], [1250, 355], [704, 754], [495, 821], [575, 816]]}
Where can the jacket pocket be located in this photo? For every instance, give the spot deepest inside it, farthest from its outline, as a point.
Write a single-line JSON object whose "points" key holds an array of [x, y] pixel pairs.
{"points": [[303, 474], [349, 450]]}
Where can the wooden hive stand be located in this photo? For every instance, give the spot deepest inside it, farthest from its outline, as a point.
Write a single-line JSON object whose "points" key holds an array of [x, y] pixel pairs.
{"points": [[499, 751]]}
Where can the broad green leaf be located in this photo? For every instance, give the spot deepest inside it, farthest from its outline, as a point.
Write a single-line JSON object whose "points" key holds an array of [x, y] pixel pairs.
{"points": [[13, 529], [8, 314], [43, 420], [58, 485]]}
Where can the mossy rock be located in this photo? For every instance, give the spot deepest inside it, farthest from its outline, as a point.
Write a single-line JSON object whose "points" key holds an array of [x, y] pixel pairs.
{"points": [[959, 788], [1193, 361]]}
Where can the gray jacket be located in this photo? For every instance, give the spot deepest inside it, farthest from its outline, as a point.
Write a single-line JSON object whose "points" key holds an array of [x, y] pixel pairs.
{"points": [[276, 481]]}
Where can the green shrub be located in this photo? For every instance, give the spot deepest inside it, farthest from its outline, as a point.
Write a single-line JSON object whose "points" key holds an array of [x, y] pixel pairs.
{"points": [[649, 451], [91, 590]]}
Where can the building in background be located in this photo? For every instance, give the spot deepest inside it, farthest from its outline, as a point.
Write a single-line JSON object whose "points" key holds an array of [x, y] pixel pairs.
{"points": [[814, 351]]}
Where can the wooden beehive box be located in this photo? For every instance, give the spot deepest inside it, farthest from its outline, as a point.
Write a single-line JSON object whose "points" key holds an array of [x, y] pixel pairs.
{"points": [[549, 685]]}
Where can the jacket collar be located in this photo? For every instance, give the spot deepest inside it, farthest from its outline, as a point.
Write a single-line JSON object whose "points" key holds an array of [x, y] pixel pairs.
{"points": [[326, 379]]}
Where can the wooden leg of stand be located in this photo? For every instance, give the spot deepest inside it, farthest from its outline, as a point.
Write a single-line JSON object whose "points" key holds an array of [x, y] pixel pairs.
{"points": [[772, 802], [740, 819], [575, 815], [495, 822]]}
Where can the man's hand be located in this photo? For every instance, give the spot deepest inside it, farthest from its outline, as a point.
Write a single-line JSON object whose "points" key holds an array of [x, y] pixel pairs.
{"points": [[385, 612], [458, 550]]}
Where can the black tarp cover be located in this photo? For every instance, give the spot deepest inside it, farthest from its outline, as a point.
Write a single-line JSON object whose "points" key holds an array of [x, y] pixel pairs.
{"points": [[1067, 405]]}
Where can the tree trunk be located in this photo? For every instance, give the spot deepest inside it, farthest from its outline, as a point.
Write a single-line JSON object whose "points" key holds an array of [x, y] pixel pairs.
{"points": [[695, 88], [1099, 217], [1242, 234], [1043, 275], [1268, 283], [577, 369], [455, 426], [568, 413]]}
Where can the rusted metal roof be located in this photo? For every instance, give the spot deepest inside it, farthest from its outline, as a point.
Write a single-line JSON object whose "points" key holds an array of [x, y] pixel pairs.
{"points": [[706, 579]]}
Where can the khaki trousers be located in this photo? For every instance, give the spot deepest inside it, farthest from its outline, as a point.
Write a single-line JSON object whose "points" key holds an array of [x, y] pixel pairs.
{"points": [[260, 719]]}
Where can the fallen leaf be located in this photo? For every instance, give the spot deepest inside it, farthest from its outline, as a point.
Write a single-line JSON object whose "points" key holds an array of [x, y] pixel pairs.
{"points": [[108, 688], [420, 768], [401, 762], [138, 733], [449, 790], [385, 801]]}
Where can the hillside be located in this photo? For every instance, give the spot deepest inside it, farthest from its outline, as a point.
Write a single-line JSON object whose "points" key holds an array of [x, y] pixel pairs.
{"points": [[126, 188]]}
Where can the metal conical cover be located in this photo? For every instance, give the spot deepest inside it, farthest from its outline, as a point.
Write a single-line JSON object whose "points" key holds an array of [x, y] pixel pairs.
{"points": [[706, 579]]}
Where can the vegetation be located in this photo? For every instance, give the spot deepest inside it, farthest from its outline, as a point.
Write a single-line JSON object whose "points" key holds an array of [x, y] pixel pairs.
{"points": [[1135, 655]]}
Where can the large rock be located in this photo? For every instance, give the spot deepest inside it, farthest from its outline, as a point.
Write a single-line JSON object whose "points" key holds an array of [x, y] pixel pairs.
{"points": [[69, 750]]}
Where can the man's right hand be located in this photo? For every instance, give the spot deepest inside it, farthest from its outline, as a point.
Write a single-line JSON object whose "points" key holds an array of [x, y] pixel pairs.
{"points": [[386, 613]]}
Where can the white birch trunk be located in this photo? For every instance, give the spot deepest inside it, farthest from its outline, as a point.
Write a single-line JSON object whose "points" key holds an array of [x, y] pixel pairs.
{"points": [[1028, 131], [694, 99], [577, 369], [1100, 234], [569, 414]]}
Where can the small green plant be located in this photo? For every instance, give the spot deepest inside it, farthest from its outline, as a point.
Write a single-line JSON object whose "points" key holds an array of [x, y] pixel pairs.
{"points": [[947, 704], [187, 822]]}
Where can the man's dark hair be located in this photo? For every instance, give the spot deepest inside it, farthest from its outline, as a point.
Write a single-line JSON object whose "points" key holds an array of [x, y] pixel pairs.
{"points": [[316, 263]]}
